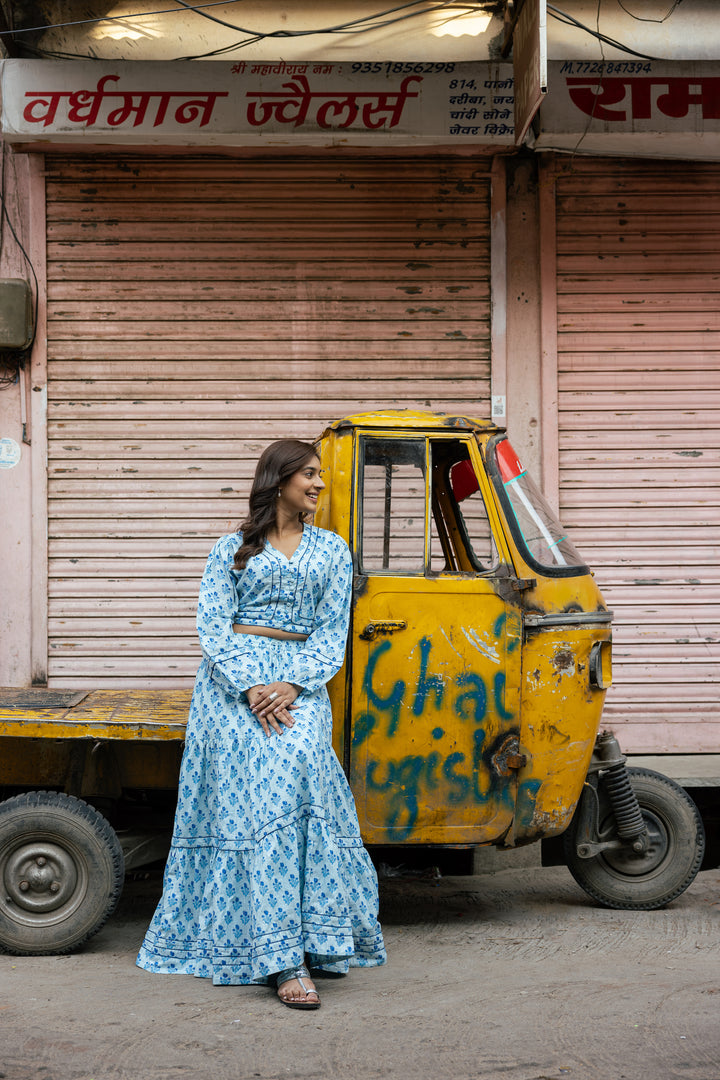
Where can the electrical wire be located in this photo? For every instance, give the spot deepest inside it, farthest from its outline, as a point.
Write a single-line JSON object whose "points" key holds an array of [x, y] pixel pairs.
{"points": [[570, 20], [427, 6], [641, 18], [111, 18], [374, 21], [378, 20], [9, 374], [214, 18], [589, 120], [28, 260], [222, 50], [341, 27]]}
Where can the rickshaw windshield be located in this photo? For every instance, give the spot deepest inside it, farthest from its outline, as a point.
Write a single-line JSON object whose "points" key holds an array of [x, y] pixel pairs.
{"points": [[533, 522]]}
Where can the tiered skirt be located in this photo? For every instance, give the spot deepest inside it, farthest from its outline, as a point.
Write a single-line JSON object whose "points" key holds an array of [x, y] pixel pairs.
{"points": [[267, 867]]}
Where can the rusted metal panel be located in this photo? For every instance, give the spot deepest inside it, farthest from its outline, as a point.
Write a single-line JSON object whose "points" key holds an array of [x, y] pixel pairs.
{"points": [[199, 308], [638, 285]]}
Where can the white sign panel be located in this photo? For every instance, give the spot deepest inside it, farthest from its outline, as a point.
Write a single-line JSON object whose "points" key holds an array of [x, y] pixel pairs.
{"points": [[632, 107], [247, 103], [10, 453]]}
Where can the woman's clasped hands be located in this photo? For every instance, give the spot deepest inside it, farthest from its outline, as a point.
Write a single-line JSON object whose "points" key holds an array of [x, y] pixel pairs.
{"points": [[272, 705]]}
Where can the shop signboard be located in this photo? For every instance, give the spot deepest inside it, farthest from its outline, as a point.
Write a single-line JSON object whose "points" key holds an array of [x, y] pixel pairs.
{"points": [[633, 108], [250, 103]]}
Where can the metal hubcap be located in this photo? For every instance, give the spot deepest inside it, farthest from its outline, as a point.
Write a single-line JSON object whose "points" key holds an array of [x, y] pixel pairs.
{"points": [[42, 882], [626, 861]]}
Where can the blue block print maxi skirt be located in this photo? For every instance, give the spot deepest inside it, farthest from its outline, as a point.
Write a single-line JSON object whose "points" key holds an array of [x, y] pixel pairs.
{"points": [[267, 866]]}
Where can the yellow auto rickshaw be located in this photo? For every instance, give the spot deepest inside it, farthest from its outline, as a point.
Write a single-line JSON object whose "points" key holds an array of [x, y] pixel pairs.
{"points": [[478, 661]]}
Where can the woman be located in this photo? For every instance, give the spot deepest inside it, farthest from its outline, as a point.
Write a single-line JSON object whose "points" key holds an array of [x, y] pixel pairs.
{"points": [[267, 872]]}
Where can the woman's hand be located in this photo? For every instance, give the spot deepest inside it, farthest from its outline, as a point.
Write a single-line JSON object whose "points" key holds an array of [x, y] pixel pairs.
{"points": [[271, 705]]}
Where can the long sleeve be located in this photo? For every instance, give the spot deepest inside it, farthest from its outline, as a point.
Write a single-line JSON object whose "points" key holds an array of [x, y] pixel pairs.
{"points": [[323, 653], [231, 662]]}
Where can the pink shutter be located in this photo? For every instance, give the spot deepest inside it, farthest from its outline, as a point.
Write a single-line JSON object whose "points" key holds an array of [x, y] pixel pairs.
{"points": [[639, 431]]}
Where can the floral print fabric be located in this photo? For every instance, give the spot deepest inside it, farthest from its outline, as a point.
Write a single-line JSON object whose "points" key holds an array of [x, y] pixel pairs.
{"points": [[267, 866]]}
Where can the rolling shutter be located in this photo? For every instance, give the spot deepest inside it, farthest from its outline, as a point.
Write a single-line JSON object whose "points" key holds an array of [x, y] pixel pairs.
{"points": [[200, 308], [639, 398]]}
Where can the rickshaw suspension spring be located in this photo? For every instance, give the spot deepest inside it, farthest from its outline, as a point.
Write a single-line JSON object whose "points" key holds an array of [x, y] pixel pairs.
{"points": [[623, 800]]}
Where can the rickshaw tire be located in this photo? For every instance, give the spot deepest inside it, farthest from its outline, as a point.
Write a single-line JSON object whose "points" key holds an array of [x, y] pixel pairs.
{"points": [[61, 873], [621, 878]]}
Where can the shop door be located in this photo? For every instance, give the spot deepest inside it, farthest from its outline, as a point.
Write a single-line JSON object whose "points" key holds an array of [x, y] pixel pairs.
{"points": [[435, 653]]}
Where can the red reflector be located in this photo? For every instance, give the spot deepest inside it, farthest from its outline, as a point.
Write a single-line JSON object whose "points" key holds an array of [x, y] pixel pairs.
{"points": [[508, 461]]}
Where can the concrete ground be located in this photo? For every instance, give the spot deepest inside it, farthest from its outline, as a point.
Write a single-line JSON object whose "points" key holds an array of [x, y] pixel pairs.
{"points": [[507, 975]]}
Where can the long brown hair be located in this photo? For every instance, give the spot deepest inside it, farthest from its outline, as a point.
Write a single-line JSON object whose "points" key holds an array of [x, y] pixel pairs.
{"points": [[277, 463]]}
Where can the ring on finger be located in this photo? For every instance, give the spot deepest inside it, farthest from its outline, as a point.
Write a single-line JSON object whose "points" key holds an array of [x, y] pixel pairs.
{"points": [[273, 695]]}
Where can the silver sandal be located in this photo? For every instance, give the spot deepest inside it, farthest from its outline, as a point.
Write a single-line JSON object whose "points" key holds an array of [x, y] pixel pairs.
{"points": [[298, 973]]}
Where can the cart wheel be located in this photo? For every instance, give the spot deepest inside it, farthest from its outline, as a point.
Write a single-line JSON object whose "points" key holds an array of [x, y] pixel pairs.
{"points": [[621, 878], [61, 873]]}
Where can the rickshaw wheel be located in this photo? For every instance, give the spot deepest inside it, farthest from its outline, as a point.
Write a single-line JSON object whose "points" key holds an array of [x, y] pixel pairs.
{"points": [[61, 873], [621, 877]]}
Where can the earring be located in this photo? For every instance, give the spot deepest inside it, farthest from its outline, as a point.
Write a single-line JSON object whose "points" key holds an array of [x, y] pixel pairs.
{"points": [[279, 492]]}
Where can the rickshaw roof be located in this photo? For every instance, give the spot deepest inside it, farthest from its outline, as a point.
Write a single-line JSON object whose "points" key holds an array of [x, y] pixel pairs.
{"points": [[410, 418]]}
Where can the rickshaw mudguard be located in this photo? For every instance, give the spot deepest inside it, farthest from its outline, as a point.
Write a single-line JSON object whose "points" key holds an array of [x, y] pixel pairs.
{"points": [[561, 711]]}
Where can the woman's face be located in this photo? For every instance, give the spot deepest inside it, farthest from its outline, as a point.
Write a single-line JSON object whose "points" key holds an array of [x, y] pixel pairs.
{"points": [[299, 493]]}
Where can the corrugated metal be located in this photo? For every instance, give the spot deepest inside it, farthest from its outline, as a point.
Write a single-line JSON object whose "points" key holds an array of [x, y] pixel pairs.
{"points": [[639, 398], [199, 308]]}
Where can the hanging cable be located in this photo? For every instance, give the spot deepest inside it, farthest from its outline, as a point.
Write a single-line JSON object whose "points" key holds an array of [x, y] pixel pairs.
{"points": [[354, 26], [570, 20], [425, 6], [9, 369], [109, 18], [642, 18], [589, 120], [374, 21], [27, 260]]}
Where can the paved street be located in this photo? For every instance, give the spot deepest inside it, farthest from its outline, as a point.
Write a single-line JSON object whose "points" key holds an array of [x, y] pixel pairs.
{"points": [[505, 976]]}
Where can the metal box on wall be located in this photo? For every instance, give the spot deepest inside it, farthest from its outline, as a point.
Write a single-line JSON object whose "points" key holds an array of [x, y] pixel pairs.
{"points": [[16, 321]]}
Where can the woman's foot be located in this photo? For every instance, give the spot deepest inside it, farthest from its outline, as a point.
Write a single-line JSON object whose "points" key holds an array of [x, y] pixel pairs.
{"points": [[296, 989]]}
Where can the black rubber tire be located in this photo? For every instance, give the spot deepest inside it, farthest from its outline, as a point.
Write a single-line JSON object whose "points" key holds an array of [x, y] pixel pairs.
{"points": [[622, 879], [61, 873]]}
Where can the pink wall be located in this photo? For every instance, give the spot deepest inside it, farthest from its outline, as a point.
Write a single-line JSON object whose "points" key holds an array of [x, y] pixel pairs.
{"points": [[523, 329], [22, 488]]}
